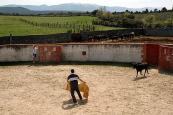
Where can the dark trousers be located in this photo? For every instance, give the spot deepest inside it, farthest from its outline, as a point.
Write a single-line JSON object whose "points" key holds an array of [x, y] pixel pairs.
{"points": [[72, 93]]}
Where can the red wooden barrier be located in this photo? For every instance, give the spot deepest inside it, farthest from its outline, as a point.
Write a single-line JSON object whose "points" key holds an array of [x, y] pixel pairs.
{"points": [[49, 53], [166, 58], [151, 54]]}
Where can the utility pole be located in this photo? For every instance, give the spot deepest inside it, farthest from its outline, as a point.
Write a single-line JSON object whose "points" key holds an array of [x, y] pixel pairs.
{"points": [[10, 38]]}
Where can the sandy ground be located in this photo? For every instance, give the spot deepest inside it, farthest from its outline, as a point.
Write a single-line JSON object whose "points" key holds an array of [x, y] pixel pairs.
{"points": [[38, 90]]}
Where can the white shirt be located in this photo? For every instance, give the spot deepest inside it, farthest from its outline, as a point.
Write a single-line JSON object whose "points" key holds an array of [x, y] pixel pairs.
{"points": [[34, 51]]}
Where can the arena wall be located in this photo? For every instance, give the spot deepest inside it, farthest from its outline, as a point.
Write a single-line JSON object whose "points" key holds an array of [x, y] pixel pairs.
{"points": [[154, 54], [103, 52], [10, 53], [78, 52]]}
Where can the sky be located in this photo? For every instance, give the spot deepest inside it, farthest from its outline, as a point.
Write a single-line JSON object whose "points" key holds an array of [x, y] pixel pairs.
{"points": [[123, 3]]}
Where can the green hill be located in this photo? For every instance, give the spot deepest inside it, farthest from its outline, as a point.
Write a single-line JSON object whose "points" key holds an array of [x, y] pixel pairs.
{"points": [[15, 10]]}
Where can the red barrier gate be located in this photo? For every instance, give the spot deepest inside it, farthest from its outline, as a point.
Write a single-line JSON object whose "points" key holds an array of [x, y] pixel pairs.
{"points": [[49, 53], [151, 54], [166, 58]]}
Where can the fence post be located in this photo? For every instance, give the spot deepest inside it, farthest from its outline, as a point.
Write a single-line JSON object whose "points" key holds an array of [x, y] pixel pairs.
{"points": [[10, 38]]}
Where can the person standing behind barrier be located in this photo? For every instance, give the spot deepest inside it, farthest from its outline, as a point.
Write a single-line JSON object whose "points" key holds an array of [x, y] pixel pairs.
{"points": [[73, 79], [34, 53]]}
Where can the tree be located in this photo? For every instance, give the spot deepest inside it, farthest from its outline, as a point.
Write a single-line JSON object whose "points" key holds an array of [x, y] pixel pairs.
{"points": [[151, 11], [164, 9], [158, 25], [101, 11], [169, 23], [127, 11], [137, 12], [114, 12], [94, 12], [146, 11], [155, 10], [128, 15], [107, 15], [149, 20]]}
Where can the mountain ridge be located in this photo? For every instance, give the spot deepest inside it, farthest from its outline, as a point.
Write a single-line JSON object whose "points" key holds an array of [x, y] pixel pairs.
{"points": [[77, 7]]}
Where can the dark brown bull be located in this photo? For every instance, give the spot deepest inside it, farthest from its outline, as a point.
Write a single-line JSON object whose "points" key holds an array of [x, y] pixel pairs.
{"points": [[141, 66]]}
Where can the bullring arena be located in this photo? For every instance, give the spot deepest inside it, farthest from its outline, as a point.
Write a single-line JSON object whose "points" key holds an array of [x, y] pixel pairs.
{"points": [[114, 89], [38, 90]]}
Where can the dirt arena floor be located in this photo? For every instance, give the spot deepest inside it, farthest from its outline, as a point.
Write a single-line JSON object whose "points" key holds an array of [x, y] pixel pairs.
{"points": [[39, 90]]}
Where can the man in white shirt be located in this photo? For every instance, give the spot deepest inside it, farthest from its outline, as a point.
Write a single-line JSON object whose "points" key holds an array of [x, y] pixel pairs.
{"points": [[34, 53]]}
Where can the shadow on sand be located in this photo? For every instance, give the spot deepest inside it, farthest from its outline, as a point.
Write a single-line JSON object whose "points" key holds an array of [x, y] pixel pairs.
{"points": [[140, 78], [70, 105]]}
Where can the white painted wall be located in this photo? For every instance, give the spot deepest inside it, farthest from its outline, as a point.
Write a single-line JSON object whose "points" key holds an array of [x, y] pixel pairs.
{"points": [[12, 54], [73, 52], [105, 52]]}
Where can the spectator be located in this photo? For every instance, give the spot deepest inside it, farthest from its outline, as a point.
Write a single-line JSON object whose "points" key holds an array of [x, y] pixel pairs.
{"points": [[34, 52]]}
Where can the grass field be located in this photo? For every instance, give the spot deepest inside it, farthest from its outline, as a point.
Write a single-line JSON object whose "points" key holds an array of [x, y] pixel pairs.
{"points": [[14, 25], [39, 90]]}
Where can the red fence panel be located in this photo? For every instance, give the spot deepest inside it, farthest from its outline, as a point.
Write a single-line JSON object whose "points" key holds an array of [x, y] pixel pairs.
{"points": [[166, 58], [49, 53], [151, 54]]}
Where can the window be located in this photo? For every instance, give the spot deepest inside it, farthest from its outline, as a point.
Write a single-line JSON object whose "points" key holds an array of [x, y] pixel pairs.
{"points": [[83, 53]]}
